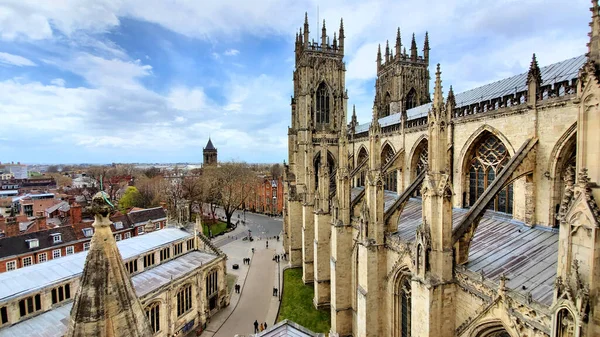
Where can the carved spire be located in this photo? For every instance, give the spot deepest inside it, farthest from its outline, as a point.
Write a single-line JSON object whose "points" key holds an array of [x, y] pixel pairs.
{"points": [[306, 31], [594, 44], [378, 57], [426, 48], [438, 97], [398, 44], [323, 35], [354, 119], [534, 71], [106, 303], [451, 101], [341, 35], [404, 52], [334, 41], [413, 48], [387, 51]]}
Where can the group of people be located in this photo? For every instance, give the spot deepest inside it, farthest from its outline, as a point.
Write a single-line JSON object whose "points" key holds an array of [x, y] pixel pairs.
{"points": [[279, 257], [259, 328], [247, 261]]}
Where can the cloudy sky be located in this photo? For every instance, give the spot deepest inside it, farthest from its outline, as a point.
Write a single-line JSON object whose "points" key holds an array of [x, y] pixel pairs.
{"points": [[100, 81]]}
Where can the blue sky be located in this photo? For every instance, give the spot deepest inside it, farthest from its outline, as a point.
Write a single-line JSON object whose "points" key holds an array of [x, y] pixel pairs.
{"points": [[151, 80]]}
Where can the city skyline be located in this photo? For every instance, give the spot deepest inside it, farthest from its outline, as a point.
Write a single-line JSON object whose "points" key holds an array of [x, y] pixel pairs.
{"points": [[119, 82]]}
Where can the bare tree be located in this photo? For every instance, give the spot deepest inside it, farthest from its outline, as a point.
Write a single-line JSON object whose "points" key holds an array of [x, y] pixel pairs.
{"points": [[231, 185], [276, 171]]}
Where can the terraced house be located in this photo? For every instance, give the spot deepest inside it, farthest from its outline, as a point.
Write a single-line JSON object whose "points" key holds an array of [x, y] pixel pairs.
{"points": [[468, 214]]}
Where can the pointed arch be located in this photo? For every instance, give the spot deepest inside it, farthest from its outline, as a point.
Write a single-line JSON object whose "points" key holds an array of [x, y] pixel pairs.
{"points": [[401, 307], [418, 153], [483, 156], [411, 99], [323, 103], [391, 177], [360, 157], [387, 100], [563, 155], [317, 166]]}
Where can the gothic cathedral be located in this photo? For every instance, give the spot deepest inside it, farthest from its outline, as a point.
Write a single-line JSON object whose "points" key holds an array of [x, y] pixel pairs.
{"points": [[460, 215]]}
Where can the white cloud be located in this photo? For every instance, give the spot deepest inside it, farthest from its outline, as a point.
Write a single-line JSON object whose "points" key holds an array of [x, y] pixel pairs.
{"points": [[231, 52], [15, 60], [58, 82]]}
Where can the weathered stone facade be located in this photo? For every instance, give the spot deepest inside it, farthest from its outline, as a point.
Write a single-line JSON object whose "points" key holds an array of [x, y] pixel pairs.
{"points": [[478, 219]]}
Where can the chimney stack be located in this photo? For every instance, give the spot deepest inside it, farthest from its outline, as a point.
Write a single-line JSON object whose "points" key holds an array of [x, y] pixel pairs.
{"points": [[75, 214], [12, 227]]}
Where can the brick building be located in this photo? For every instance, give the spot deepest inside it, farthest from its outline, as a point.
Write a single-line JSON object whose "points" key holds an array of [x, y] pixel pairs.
{"points": [[267, 197]]}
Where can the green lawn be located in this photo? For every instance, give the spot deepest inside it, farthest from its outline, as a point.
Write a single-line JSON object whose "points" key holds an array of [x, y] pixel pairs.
{"points": [[230, 282], [297, 303], [216, 229]]}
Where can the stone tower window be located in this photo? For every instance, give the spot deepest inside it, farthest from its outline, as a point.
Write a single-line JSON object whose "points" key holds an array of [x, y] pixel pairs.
{"points": [[212, 288], [322, 104], [489, 158], [184, 300], [386, 105], [391, 178], [421, 162], [402, 307], [411, 99]]}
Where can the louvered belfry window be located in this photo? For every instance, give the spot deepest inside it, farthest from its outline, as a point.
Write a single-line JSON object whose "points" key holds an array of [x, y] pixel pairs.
{"points": [[322, 104]]}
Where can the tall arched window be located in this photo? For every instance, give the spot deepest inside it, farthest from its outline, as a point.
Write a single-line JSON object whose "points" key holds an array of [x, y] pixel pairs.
{"points": [[153, 314], [322, 104], [212, 288], [411, 99], [565, 324], [391, 178], [332, 169], [488, 159], [184, 300], [420, 162], [362, 156], [402, 307], [386, 105]]}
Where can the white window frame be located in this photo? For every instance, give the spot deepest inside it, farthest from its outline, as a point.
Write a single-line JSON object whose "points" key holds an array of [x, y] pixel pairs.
{"points": [[117, 237], [28, 258], [11, 265], [56, 238], [33, 243], [127, 235], [56, 254], [157, 227], [88, 232], [140, 230], [86, 245], [44, 259], [71, 249]]}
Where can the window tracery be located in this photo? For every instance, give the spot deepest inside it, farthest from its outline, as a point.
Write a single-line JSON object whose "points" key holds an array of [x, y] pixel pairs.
{"points": [[489, 158], [411, 99], [322, 103]]}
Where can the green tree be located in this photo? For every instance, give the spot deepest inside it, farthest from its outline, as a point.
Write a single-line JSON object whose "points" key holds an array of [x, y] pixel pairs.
{"points": [[131, 198]]}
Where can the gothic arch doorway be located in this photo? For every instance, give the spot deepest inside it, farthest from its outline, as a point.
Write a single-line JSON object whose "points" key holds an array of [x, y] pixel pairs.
{"points": [[486, 157], [401, 319], [418, 162], [391, 178]]}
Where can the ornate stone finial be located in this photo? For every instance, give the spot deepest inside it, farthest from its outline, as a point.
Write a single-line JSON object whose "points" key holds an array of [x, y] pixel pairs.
{"points": [[426, 48], [334, 41], [413, 48], [593, 53], [451, 99], [398, 42], [534, 71], [305, 19], [438, 98], [404, 51], [378, 57], [323, 35], [341, 35], [101, 207], [582, 178], [387, 51]]}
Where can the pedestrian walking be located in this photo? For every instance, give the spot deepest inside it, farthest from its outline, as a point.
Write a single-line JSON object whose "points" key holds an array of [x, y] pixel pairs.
{"points": [[262, 327], [267, 244], [255, 326], [265, 325]]}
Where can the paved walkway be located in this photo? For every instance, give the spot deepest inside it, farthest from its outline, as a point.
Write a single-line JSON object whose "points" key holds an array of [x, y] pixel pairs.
{"points": [[256, 301]]}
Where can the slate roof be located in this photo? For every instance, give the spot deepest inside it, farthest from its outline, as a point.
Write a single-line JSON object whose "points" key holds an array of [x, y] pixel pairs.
{"points": [[17, 245], [502, 245], [287, 328], [553, 73], [210, 146], [54, 323], [139, 217]]}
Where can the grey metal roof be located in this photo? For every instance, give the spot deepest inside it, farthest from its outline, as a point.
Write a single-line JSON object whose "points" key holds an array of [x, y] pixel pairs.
{"points": [[501, 245], [24, 280], [287, 328], [54, 323], [554, 73], [355, 191]]}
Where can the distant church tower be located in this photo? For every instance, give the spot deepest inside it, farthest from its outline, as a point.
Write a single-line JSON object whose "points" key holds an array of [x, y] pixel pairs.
{"points": [[210, 153]]}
